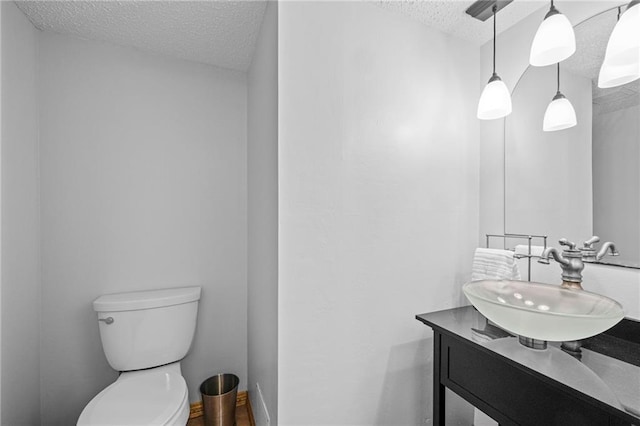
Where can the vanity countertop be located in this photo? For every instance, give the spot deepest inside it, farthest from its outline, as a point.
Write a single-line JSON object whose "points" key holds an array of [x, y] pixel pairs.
{"points": [[608, 370]]}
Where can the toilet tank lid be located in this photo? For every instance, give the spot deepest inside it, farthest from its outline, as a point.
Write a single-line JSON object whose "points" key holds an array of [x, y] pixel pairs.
{"points": [[150, 299]]}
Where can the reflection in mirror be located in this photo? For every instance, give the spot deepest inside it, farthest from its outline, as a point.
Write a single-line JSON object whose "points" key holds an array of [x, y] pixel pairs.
{"points": [[585, 180]]}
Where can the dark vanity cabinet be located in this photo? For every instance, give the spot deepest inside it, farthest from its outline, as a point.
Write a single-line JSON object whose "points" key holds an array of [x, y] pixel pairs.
{"points": [[518, 387]]}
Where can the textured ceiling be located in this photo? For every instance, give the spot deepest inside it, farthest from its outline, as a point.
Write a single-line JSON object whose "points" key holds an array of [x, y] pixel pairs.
{"points": [[221, 33], [450, 17], [592, 36]]}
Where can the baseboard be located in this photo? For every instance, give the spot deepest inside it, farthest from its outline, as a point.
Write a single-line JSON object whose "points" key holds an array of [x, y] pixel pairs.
{"points": [[252, 421], [196, 409]]}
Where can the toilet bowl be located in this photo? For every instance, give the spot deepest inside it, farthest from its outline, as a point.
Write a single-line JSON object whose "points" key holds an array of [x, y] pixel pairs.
{"points": [[144, 335], [153, 397]]}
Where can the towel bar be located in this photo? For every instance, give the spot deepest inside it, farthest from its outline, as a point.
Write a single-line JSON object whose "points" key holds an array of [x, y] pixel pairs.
{"points": [[528, 237]]}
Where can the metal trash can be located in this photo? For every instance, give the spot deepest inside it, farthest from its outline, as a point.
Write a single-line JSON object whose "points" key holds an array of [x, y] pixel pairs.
{"points": [[219, 395]]}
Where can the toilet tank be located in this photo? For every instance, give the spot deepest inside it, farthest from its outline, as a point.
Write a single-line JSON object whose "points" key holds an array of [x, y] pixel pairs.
{"points": [[145, 329]]}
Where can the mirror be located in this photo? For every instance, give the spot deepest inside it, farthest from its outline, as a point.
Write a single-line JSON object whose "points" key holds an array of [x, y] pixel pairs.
{"points": [[585, 180]]}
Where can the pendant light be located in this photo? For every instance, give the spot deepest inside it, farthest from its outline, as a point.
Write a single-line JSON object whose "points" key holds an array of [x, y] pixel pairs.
{"points": [[495, 101], [624, 44], [555, 40], [560, 113], [622, 58], [612, 75]]}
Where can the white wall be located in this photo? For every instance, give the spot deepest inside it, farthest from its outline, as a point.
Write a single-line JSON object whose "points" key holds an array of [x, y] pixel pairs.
{"points": [[616, 157], [0, 213], [262, 210], [548, 174], [143, 167], [378, 208], [513, 58], [20, 221]]}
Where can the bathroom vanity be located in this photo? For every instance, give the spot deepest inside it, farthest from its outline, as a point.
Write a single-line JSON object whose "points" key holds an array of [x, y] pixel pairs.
{"points": [[516, 385]]}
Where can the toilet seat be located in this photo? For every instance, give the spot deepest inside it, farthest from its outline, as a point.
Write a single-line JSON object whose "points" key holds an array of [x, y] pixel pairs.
{"points": [[147, 398]]}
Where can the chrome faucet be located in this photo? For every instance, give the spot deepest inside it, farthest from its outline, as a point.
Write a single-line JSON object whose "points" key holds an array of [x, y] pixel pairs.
{"points": [[589, 252], [572, 260]]}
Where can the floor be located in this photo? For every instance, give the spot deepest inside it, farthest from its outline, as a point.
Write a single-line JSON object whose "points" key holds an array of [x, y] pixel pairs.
{"points": [[242, 417]]}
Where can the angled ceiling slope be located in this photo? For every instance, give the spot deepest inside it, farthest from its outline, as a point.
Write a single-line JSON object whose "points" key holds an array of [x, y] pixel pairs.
{"points": [[223, 33], [220, 33]]}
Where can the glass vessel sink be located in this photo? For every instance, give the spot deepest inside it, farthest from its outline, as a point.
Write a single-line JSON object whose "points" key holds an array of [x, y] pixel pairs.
{"points": [[543, 311]]}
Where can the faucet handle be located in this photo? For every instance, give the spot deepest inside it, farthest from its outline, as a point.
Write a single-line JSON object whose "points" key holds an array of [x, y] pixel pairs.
{"points": [[565, 242], [590, 242], [588, 251]]}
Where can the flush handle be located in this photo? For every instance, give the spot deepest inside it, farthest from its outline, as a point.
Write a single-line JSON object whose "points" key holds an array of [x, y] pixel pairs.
{"points": [[107, 320]]}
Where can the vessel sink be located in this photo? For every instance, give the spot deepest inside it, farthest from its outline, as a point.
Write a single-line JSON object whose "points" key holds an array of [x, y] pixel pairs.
{"points": [[543, 311]]}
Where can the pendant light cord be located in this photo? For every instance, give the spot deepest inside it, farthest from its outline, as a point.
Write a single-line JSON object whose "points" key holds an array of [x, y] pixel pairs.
{"points": [[495, 9], [558, 94]]}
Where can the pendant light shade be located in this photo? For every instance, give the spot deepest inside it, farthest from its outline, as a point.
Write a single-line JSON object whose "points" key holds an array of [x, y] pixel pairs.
{"points": [[612, 75], [622, 58], [495, 101], [624, 44], [554, 41], [560, 113]]}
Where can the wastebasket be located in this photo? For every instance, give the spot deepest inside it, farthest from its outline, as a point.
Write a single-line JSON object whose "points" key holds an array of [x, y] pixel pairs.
{"points": [[219, 395]]}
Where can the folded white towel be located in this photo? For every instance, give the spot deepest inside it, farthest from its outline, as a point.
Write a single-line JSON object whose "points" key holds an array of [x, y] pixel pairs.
{"points": [[523, 249], [494, 264]]}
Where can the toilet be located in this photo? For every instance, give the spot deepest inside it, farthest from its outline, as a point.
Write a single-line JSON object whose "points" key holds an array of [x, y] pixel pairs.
{"points": [[144, 335]]}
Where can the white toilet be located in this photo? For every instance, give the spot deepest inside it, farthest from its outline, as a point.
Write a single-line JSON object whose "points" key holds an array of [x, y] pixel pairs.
{"points": [[144, 335]]}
